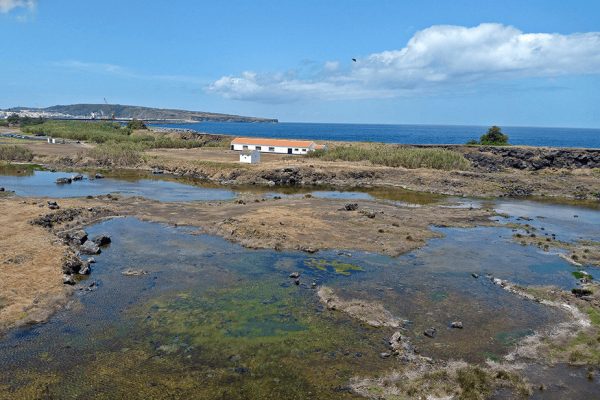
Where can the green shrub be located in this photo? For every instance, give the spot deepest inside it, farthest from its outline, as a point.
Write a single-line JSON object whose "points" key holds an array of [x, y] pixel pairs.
{"points": [[493, 137], [3, 122], [136, 124], [15, 153], [396, 156], [118, 154]]}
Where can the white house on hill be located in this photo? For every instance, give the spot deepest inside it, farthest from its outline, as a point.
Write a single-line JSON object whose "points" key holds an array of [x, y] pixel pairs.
{"points": [[280, 146]]}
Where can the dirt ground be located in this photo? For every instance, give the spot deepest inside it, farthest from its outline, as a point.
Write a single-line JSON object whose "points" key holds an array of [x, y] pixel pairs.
{"points": [[31, 284]]}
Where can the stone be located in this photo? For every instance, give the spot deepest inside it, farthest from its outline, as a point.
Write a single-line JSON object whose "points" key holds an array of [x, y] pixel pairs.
{"points": [[53, 206], [157, 171], [2, 189], [99, 176], [72, 265], [68, 279], [91, 260], [77, 177], [297, 282], [456, 325], [351, 207], [78, 237], [63, 181], [313, 285], [52, 203], [474, 275], [89, 248], [134, 272], [101, 240], [430, 332], [85, 269], [295, 275], [384, 355]]}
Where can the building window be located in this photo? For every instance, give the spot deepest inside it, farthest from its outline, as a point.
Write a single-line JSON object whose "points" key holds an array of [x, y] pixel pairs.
{"points": [[271, 148], [244, 147], [296, 150], [304, 150], [258, 148]]}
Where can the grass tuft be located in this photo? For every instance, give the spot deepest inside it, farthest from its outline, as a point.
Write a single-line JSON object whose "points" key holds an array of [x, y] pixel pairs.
{"points": [[15, 153]]}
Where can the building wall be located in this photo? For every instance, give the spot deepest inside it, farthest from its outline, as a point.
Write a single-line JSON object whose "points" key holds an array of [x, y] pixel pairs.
{"points": [[277, 149]]}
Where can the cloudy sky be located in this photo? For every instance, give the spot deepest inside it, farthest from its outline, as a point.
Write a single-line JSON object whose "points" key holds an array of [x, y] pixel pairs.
{"points": [[430, 62]]}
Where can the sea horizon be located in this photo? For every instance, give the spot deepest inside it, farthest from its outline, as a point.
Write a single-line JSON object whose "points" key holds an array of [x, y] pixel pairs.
{"points": [[416, 134]]}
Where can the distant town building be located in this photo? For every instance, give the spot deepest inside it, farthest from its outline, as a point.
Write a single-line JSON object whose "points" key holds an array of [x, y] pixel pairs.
{"points": [[250, 156], [279, 146]]}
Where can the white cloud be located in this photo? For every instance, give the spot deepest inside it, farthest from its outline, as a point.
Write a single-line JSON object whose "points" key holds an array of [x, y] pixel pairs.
{"points": [[436, 58], [9, 5], [117, 70]]}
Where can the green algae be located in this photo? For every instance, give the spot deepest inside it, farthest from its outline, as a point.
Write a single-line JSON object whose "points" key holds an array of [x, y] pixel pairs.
{"points": [[256, 340], [581, 275], [338, 267]]}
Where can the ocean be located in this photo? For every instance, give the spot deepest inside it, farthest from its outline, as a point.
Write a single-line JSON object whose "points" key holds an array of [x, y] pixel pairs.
{"points": [[403, 134]]}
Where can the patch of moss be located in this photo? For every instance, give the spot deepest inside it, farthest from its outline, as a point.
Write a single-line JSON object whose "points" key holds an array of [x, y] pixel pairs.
{"points": [[581, 275], [335, 266]]}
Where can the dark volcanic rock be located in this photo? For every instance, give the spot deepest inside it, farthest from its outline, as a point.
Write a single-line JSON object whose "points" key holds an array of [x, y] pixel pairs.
{"points": [[89, 248], [72, 265], [78, 237], [102, 240], [62, 181], [430, 332]]}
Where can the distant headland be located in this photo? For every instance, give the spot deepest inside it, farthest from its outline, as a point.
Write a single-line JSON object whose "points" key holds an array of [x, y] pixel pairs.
{"points": [[127, 112]]}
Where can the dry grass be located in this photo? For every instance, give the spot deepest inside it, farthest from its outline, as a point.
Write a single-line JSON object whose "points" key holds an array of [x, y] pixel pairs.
{"points": [[396, 156], [30, 267], [15, 153]]}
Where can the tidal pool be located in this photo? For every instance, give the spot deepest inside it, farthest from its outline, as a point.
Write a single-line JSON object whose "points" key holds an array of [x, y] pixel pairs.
{"points": [[32, 182], [211, 319]]}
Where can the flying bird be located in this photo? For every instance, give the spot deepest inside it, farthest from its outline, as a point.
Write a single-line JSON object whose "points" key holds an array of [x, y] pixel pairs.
{"points": [[354, 59]]}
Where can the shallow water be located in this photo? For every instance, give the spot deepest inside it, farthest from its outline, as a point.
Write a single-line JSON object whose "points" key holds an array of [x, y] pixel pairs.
{"points": [[568, 222], [32, 180], [212, 319], [37, 183]]}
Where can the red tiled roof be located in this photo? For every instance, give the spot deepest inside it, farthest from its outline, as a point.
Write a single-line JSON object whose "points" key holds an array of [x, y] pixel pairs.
{"points": [[272, 142]]}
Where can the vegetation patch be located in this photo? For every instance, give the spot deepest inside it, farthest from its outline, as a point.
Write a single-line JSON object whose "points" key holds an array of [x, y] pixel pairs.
{"points": [[15, 153], [117, 154], [103, 132], [335, 266], [493, 137], [395, 156]]}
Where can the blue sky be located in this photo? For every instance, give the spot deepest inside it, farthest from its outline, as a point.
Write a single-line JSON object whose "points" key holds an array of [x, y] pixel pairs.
{"points": [[533, 63]]}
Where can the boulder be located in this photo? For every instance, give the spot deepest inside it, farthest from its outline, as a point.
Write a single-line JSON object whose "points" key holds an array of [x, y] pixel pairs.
{"points": [[456, 325], [351, 207], [78, 237], [89, 248], [102, 240], [85, 269], [62, 181], [77, 177], [72, 265], [295, 275], [68, 279], [99, 176], [430, 332]]}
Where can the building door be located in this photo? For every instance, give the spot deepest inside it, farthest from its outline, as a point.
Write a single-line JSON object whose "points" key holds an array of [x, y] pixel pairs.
{"points": [[231, 147], [289, 151]]}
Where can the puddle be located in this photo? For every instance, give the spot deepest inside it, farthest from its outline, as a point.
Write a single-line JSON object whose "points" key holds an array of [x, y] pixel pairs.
{"points": [[569, 223], [37, 183]]}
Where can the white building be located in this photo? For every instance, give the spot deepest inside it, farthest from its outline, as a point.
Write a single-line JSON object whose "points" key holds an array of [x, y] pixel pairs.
{"points": [[250, 157], [280, 146]]}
